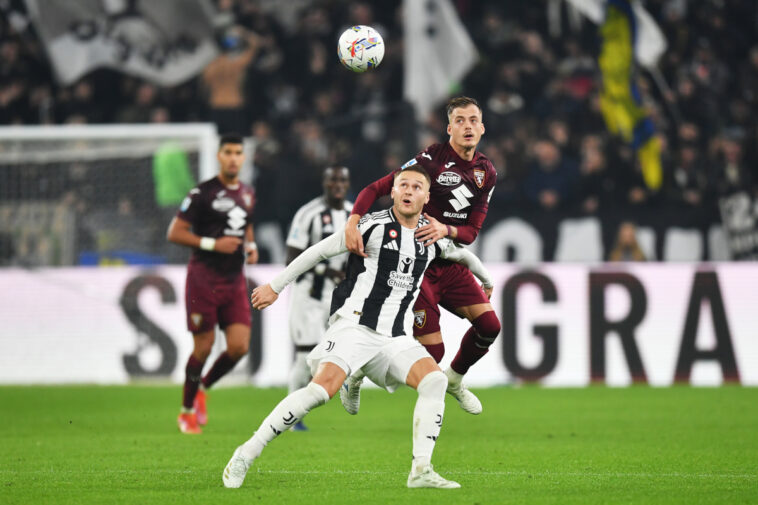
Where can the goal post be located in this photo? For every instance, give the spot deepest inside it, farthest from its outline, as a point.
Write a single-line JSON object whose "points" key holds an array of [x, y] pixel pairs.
{"points": [[88, 194]]}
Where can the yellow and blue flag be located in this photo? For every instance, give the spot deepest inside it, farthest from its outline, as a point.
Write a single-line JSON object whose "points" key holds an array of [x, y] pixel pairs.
{"points": [[620, 99]]}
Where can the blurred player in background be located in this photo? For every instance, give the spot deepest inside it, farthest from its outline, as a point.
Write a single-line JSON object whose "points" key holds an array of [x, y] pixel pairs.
{"points": [[312, 292], [370, 327], [462, 183], [216, 220]]}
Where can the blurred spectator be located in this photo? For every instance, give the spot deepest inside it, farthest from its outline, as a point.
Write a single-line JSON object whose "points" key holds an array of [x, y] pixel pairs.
{"points": [[223, 79], [552, 180], [626, 248]]}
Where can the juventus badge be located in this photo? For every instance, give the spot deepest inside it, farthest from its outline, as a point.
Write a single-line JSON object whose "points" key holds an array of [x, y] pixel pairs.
{"points": [[479, 177], [419, 318]]}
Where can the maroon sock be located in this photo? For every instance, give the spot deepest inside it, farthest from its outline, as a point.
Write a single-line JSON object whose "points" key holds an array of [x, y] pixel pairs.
{"points": [[476, 342], [220, 367], [437, 351], [192, 373], [468, 354]]}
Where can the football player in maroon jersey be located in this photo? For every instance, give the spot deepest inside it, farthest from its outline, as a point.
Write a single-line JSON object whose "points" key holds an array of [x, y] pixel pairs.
{"points": [[462, 183], [216, 221]]}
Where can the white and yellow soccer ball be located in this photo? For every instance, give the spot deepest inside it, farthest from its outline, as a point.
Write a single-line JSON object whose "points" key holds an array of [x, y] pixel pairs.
{"points": [[360, 48]]}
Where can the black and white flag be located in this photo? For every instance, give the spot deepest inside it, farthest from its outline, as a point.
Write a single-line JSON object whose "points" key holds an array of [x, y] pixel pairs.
{"points": [[739, 215], [165, 41]]}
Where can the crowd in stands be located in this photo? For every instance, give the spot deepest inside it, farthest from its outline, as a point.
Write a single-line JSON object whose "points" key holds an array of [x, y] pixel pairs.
{"points": [[537, 80]]}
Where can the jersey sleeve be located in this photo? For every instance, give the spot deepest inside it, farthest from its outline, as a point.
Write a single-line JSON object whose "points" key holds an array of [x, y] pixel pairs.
{"points": [[190, 207], [370, 193], [331, 246], [450, 251], [298, 236]]}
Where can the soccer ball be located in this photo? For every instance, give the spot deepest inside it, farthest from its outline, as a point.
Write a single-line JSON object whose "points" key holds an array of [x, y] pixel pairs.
{"points": [[360, 48]]}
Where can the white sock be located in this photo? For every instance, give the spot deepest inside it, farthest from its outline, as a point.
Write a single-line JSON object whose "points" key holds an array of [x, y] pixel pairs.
{"points": [[300, 373], [427, 417], [453, 377], [284, 415]]}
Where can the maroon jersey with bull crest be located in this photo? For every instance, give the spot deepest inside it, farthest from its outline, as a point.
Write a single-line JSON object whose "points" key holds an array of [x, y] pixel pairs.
{"points": [[459, 187], [459, 194], [215, 210]]}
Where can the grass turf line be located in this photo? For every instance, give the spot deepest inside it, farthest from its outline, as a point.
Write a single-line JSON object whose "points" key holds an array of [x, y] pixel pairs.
{"points": [[116, 445]]}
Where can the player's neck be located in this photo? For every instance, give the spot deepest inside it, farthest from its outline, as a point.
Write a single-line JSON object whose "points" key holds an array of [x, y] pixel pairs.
{"points": [[231, 183], [464, 153], [334, 203], [410, 222]]}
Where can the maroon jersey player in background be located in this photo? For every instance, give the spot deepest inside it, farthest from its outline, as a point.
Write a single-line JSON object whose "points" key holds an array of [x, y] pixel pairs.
{"points": [[216, 220], [462, 183]]}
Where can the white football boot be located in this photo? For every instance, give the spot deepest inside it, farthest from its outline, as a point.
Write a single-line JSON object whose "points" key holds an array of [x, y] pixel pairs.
{"points": [[427, 477], [466, 399], [236, 469], [350, 393]]}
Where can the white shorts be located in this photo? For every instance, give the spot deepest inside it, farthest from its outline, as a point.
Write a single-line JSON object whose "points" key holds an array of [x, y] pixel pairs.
{"points": [[385, 360], [308, 319]]}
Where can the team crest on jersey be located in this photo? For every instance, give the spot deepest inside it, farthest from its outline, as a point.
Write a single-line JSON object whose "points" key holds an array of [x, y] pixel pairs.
{"points": [[419, 318], [197, 319], [248, 199], [393, 233], [479, 177]]}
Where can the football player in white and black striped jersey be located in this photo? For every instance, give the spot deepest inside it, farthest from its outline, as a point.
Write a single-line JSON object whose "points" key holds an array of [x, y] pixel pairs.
{"points": [[311, 293], [370, 329]]}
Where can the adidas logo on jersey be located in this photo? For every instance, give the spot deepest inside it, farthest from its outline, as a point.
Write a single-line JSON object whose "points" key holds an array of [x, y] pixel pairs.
{"points": [[392, 246]]}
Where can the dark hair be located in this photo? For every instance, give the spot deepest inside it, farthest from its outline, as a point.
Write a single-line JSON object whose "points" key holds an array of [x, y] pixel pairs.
{"points": [[229, 138], [461, 101], [415, 168]]}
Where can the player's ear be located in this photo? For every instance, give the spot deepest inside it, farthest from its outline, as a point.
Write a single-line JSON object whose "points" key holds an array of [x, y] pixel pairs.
{"points": [[392, 192], [449, 129], [482, 125]]}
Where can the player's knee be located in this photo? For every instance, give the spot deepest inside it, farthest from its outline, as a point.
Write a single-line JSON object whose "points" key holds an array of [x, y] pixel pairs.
{"points": [[237, 350], [433, 385], [487, 327]]}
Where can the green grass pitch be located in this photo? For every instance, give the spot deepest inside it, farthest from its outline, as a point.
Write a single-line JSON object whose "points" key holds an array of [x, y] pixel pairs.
{"points": [[638, 445]]}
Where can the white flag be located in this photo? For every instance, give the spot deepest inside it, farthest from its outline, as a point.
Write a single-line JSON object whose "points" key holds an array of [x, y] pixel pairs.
{"points": [[438, 53], [166, 41]]}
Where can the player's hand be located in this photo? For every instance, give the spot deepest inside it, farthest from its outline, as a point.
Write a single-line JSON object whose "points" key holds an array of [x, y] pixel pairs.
{"points": [[227, 245], [353, 239], [488, 291], [251, 254], [432, 232], [263, 296]]}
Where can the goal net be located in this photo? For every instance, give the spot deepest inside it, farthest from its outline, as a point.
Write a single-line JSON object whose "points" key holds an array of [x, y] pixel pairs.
{"points": [[97, 194]]}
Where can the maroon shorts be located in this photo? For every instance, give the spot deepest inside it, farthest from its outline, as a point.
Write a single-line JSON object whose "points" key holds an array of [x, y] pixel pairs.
{"points": [[447, 284], [211, 298]]}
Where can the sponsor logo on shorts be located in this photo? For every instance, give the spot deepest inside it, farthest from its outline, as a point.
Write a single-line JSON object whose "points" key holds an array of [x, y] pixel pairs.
{"points": [[419, 318], [449, 179], [479, 177], [197, 319]]}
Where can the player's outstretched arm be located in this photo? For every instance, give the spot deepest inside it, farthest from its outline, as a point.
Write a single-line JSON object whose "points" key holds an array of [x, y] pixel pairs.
{"points": [[466, 257], [330, 246], [353, 238]]}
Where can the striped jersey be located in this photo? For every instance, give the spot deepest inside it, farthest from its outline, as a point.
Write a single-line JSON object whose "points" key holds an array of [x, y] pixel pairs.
{"points": [[312, 223], [379, 291]]}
